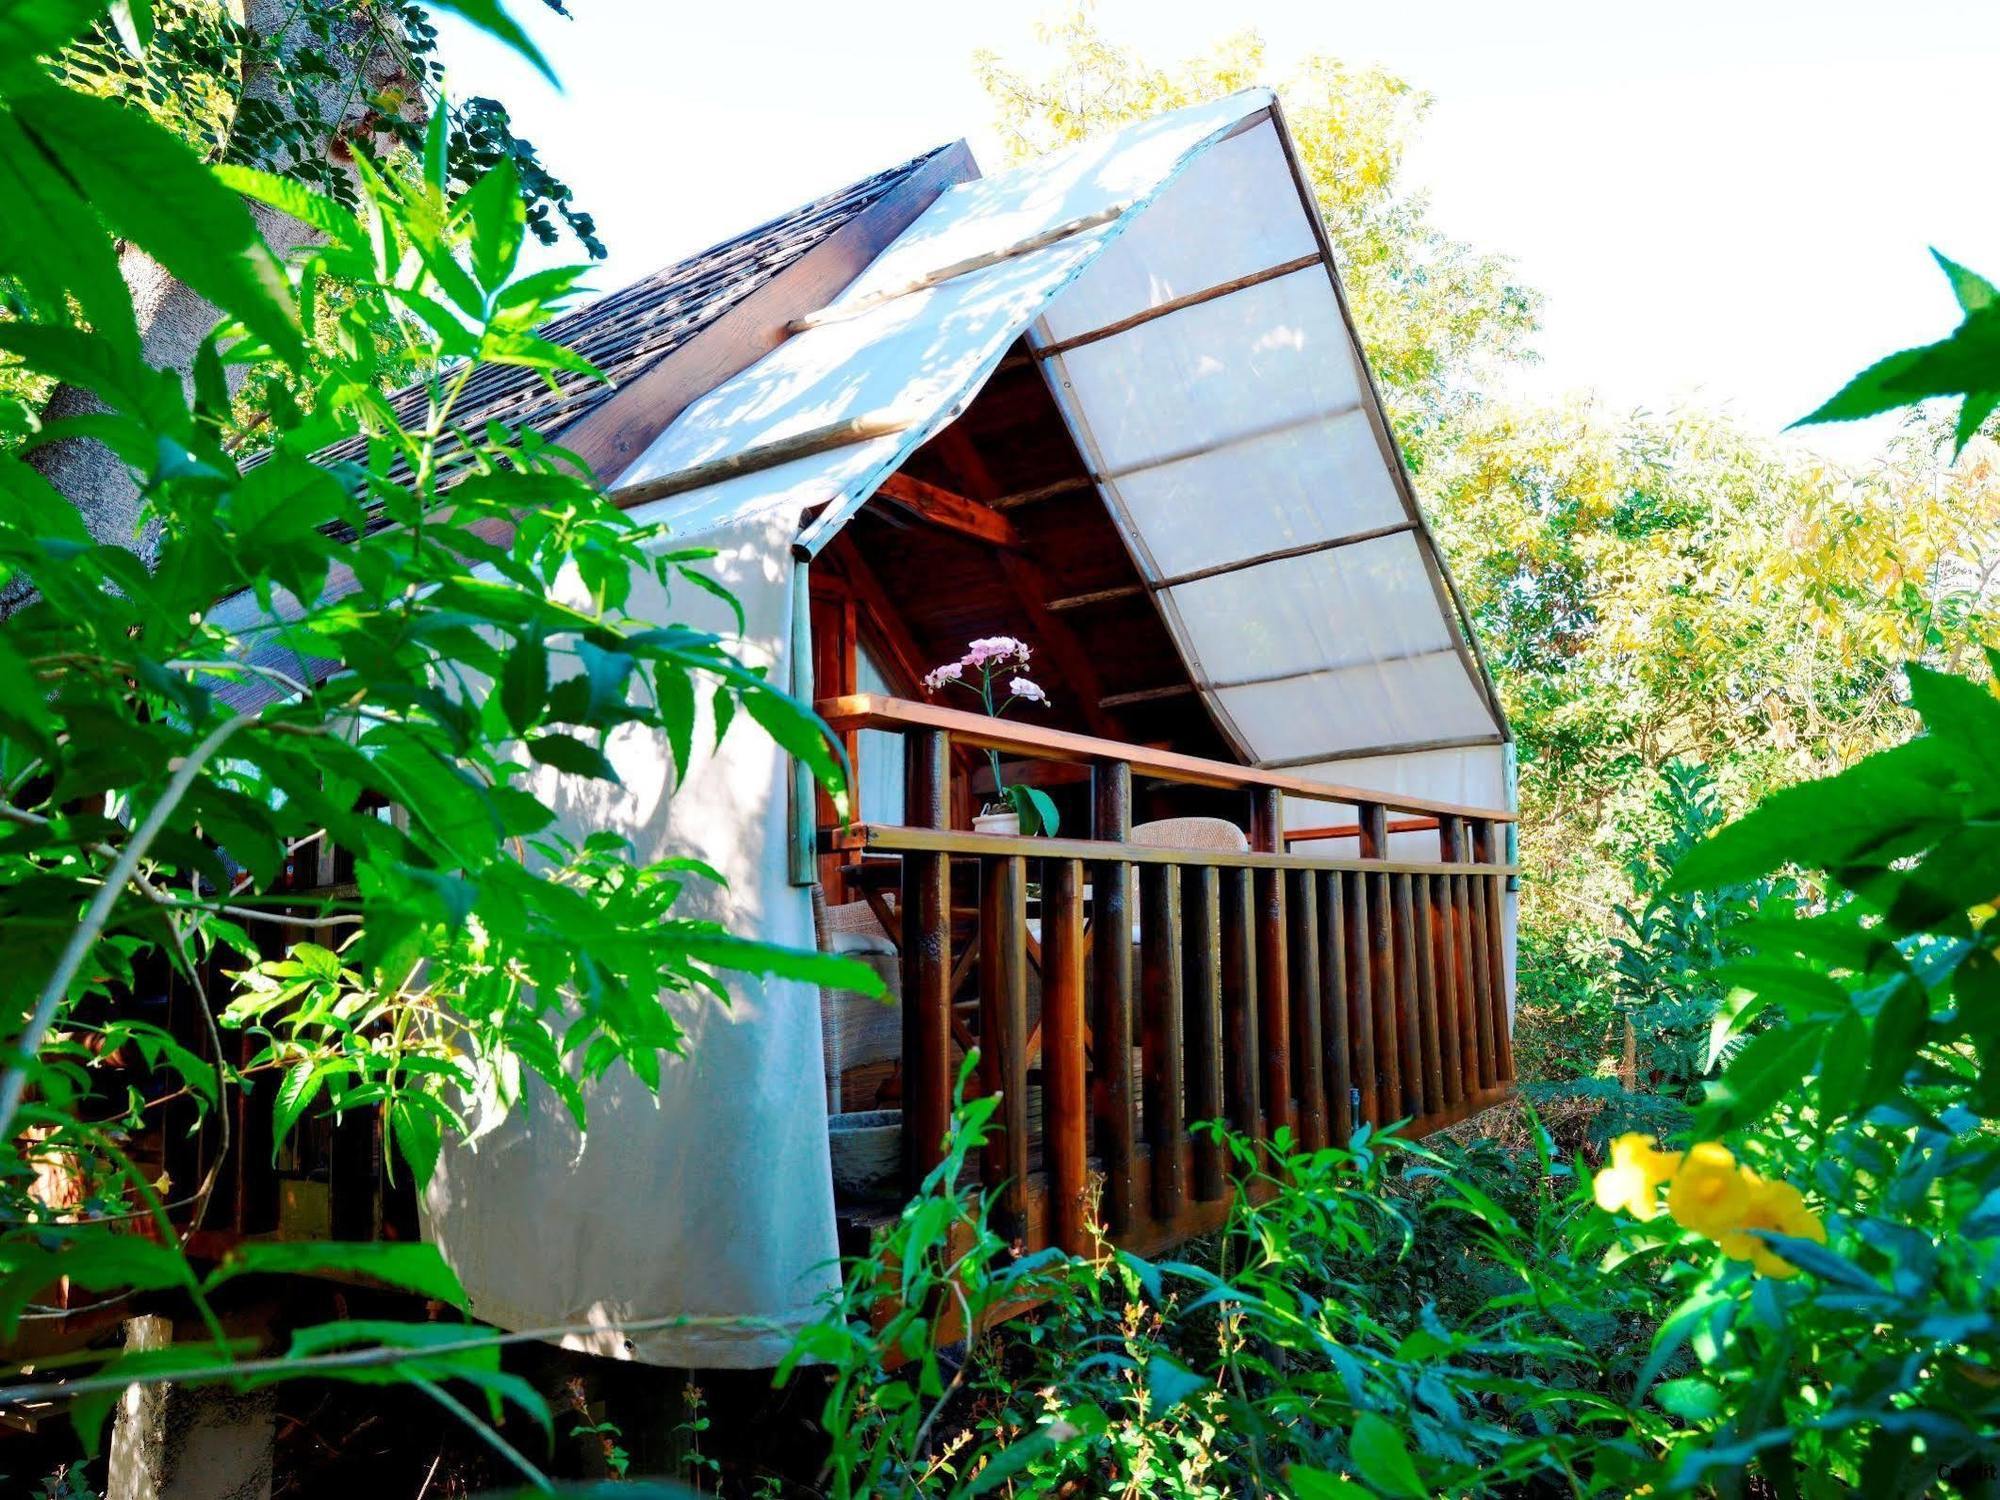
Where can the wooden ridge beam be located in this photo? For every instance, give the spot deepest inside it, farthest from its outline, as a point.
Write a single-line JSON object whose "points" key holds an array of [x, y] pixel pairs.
{"points": [[1043, 492], [948, 510]]}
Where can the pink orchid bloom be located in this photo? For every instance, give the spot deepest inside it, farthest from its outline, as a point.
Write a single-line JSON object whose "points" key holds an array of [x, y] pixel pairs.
{"points": [[1024, 687]]}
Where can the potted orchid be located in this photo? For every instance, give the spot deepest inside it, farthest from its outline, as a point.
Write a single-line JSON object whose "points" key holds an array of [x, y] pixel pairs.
{"points": [[1017, 809]]}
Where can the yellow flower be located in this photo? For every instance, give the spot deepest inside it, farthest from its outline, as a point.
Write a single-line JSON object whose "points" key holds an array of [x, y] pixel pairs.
{"points": [[1632, 1181], [1709, 1193], [1779, 1208]]}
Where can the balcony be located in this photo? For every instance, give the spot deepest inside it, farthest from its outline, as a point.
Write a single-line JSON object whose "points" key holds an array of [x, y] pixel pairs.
{"points": [[1311, 979]]}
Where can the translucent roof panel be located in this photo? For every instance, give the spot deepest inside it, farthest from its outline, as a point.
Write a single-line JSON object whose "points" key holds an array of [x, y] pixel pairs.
{"points": [[1239, 189], [1256, 360], [1366, 603], [1289, 488], [1422, 700]]}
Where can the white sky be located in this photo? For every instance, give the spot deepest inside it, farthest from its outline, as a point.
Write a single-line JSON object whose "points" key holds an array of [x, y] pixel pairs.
{"points": [[1723, 200]]}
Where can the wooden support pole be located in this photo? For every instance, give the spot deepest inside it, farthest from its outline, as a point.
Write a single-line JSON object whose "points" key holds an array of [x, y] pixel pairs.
{"points": [[1112, 1100], [1003, 1032], [926, 961], [1409, 1025], [1202, 987], [947, 510], [1432, 928], [1161, 1021], [1065, 1104]]}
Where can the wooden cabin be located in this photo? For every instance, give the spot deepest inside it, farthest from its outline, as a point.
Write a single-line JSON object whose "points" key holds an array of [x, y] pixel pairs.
{"points": [[1110, 403]]}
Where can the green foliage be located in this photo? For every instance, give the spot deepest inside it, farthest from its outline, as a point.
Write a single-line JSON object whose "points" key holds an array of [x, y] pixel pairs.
{"points": [[1670, 973], [308, 660]]}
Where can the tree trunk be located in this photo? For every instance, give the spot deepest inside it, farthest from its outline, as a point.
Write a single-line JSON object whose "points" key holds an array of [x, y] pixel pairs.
{"points": [[174, 319]]}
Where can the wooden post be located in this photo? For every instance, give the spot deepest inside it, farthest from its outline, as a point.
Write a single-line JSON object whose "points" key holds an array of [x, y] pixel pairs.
{"points": [[1385, 1073], [1242, 1084], [1409, 1026], [1338, 1070], [1065, 1106], [1267, 820], [1160, 1017], [1003, 1030], [926, 960], [1111, 975], [1485, 849], [1307, 1060], [1202, 991]]}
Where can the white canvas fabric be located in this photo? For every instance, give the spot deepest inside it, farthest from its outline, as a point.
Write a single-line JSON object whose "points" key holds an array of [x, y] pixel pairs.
{"points": [[714, 1199]]}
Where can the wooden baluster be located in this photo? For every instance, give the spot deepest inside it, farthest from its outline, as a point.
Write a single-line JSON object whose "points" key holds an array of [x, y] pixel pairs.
{"points": [[1360, 1002], [1409, 1027], [1338, 1069], [1242, 1074], [1112, 1098], [1433, 929], [1477, 951], [1382, 966], [1274, 1023], [1202, 981], [926, 960], [1160, 1020], [1065, 1105], [1003, 1031], [1423, 960], [1302, 942]]}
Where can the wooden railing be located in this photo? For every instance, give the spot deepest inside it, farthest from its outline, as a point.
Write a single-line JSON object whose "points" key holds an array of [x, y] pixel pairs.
{"points": [[1270, 989]]}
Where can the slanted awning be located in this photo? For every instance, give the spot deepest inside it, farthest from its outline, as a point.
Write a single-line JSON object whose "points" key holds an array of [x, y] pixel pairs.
{"points": [[1178, 287]]}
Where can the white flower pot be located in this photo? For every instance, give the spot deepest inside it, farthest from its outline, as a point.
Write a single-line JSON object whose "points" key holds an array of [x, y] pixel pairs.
{"points": [[1006, 823]]}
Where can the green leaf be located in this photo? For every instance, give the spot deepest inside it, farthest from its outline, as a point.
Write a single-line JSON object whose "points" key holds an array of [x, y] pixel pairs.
{"points": [[1771, 1064], [489, 16], [31, 29], [1168, 1384], [572, 756], [1689, 1398], [410, 1267], [1900, 1027], [1318, 1484], [289, 195], [524, 684], [53, 243], [498, 219], [1886, 806], [725, 950], [150, 188], [295, 1092], [1382, 1458], [418, 1137], [1972, 290], [1962, 713]]}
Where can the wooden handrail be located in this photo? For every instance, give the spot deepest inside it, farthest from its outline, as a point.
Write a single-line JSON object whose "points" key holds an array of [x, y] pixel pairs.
{"points": [[897, 838], [874, 711]]}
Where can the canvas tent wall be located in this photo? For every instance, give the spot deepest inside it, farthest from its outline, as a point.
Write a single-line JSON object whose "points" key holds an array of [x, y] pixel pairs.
{"points": [[1178, 287]]}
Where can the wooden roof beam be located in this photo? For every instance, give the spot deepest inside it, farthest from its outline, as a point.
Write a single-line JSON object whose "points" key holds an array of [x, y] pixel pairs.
{"points": [[948, 510]]}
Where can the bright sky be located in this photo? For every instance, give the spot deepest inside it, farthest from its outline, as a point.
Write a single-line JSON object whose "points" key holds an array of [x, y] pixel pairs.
{"points": [[1723, 200]]}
